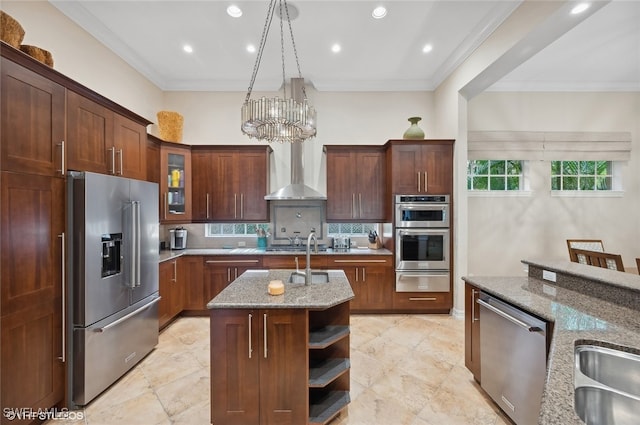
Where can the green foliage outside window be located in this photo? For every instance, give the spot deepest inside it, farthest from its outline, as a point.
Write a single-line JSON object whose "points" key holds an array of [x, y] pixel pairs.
{"points": [[581, 175], [492, 174]]}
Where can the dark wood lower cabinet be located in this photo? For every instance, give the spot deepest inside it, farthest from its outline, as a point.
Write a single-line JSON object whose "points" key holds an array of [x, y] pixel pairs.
{"points": [[422, 302], [371, 279], [472, 330], [171, 286], [259, 367], [282, 366]]}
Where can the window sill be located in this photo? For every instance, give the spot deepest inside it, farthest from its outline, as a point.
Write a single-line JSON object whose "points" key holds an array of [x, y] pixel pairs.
{"points": [[587, 194], [498, 193]]}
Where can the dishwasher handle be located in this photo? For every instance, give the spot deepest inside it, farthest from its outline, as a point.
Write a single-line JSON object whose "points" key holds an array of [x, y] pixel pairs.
{"points": [[509, 317]]}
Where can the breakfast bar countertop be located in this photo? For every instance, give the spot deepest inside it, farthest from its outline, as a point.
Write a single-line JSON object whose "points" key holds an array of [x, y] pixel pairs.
{"points": [[249, 290], [578, 318]]}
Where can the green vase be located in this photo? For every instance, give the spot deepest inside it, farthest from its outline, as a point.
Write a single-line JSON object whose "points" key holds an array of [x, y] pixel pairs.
{"points": [[414, 132]]}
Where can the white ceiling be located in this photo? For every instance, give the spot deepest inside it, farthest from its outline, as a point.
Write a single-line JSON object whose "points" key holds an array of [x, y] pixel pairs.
{"points": [[601, 53]]}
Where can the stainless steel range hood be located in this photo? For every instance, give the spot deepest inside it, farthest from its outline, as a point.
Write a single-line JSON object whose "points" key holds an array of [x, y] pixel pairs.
{"points": [[296, 190]]}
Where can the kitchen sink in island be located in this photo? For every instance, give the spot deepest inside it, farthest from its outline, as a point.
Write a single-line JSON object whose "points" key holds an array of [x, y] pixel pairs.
{"points": [[280, 358]]}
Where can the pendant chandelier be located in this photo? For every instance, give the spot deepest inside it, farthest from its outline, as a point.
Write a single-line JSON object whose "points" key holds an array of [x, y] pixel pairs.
{"points": [[275, 119]]}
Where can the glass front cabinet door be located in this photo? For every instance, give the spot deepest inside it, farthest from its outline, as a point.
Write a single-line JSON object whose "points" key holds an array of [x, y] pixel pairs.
{"points": [[175, 181]]}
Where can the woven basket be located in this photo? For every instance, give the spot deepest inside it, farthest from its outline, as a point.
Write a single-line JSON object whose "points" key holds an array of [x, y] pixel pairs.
{"points": [[170, 125], [11, 32], [38, 53]]}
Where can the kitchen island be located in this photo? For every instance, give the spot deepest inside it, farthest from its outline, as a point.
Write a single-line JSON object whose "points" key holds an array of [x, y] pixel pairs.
{"points": [[585, 305], [280, 358]]}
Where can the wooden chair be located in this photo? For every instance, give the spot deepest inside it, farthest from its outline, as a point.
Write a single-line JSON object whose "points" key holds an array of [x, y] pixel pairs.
{"points": [[586, 244], [598, 259]]}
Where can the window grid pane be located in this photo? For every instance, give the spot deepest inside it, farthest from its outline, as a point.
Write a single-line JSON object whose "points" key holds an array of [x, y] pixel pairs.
{"points": [[499, 175], [581, 175]]}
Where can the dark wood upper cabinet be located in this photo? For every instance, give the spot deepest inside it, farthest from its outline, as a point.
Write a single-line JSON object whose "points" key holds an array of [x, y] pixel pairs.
{"points": [[355, 183], [130, 144], [230, 183], [89, 135], [420, 167], [102, 141], [33, 115], [175, 183]]}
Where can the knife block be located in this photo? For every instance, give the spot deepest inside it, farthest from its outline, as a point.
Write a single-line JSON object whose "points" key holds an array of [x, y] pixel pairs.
{"points": [[376, 245]]}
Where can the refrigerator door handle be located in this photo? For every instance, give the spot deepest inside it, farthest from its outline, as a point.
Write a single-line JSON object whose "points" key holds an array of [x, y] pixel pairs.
{"points": [[127, 317], [137, 241]]}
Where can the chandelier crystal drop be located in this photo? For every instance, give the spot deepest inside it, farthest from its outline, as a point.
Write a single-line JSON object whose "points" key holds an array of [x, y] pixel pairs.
{"points": [[278, 119]]}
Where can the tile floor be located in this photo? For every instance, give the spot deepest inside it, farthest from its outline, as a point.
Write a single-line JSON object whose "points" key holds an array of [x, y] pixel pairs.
{"points": [[405, 369]]}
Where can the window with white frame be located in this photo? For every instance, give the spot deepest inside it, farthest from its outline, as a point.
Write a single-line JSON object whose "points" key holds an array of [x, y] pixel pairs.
{"points": [[234, 229], [495, 175], [582, 175], [351, 229]]}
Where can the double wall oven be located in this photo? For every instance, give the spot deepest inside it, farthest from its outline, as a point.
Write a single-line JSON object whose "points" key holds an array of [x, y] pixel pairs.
{"points": [[423, 241]]}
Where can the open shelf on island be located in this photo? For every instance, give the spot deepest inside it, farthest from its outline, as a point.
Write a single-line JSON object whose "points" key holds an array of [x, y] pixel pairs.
{"points": [[325, 406], [323, 372], [324, 337]]}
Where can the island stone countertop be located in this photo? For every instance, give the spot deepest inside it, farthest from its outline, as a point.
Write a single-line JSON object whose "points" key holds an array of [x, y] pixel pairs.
{"points": [[249, 290], [579, 316]]}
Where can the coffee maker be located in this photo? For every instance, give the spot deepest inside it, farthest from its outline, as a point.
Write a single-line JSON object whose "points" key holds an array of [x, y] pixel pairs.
{"points": [[178, 238]]}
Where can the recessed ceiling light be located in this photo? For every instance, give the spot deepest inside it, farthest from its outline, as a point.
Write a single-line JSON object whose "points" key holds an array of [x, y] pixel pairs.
{"points": [[187, 48], [336, 48], [251, 48], [234, 11], [427, 48], [579, 8], [379, 12]]}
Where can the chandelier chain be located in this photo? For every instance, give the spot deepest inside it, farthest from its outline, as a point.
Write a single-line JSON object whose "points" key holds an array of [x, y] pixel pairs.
{"points": [[284, 85], [293, 44], [263, 41]]}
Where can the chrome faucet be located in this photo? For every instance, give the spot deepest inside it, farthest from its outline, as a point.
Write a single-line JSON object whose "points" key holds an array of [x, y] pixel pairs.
{"points": [[307, 272]]}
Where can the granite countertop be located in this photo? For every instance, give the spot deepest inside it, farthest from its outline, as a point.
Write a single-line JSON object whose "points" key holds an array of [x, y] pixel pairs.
{"points": [[168, 255], [577, 318], [250, 291]]}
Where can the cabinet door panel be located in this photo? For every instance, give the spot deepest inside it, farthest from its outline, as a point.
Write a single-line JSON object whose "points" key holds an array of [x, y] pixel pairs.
{"points": [[175, 195], [283, 367], [225, 194], [192, 275], [202, 193], [405, 169], [32, 372], [437, 165], [165, 284], [32, 219], [130, 142], [341, 186], [89, 135], [32, 109], [252, 170], [371, 183], [235, 382]]}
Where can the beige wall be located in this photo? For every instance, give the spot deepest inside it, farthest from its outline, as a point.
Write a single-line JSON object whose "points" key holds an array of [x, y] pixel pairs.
{"points": [[81, 57], [343, 118], [504, 230]]}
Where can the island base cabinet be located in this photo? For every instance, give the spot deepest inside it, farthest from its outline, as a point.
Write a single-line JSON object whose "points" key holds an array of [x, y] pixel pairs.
{"points": [[259, 371], [472, 330]]}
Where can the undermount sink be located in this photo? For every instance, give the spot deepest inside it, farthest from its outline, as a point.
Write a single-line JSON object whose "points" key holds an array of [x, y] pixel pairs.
{"points": [[607, 385], [316, 277], [600, 406], [616, 369]]}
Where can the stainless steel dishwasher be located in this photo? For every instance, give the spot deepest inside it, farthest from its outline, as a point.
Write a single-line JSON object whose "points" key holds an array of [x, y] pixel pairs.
{"points": [[513, 358]]}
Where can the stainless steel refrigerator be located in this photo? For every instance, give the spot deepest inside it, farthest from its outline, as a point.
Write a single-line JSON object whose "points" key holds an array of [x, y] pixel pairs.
{"points": [[112, 299]]}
